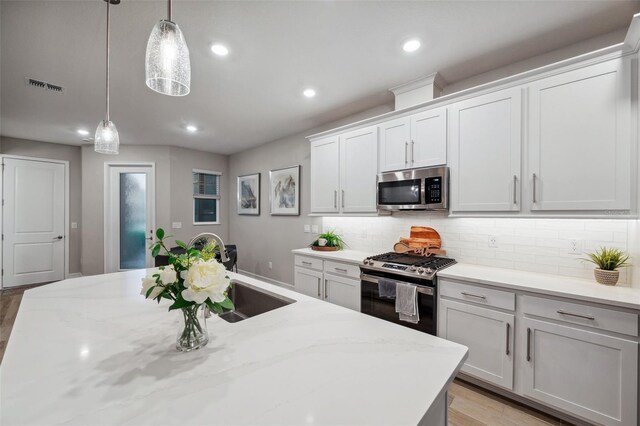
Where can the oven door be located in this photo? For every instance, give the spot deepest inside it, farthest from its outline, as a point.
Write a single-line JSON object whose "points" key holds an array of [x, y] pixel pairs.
{"points": [[384, 308], [406, 194]]}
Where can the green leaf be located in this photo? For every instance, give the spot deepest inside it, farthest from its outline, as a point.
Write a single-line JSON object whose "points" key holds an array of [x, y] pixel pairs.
{"points": [[160, 233], [155, 250], [214, 307], [227, 304], [182, 244], [180, 303], [149, 291]]}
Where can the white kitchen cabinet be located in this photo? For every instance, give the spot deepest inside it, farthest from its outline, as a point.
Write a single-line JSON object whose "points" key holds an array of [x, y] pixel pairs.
{"points": [[309, 282], [325, 175], [428, 145], [395, 136], [343, 291], [589, 374], [419, 140], [580, 153], [485, 149], [358, 170], [487, 333]]}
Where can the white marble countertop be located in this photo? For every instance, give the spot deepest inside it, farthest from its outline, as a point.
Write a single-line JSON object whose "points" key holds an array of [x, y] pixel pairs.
{"points": [[91, 350], [346, 255], [546, 284]]}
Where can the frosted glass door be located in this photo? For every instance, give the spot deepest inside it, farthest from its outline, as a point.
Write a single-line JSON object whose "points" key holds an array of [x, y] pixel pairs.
{"points": [[133, 223]]}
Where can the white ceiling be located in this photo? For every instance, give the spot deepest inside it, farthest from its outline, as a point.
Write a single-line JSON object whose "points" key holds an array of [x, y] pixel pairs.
{"points": [[350, 52]]}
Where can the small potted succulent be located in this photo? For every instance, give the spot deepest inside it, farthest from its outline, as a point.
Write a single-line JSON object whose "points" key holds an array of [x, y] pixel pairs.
{"points": [[607, 261], [328, 241]]}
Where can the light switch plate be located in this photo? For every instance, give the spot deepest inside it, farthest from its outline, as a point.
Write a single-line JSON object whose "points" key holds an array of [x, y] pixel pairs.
{"points": [[314, 229], [307, 228], [176, 225], [74, 225]]}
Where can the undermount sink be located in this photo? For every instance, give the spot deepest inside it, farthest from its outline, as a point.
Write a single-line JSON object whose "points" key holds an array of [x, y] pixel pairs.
{"points": [[251, 301]]}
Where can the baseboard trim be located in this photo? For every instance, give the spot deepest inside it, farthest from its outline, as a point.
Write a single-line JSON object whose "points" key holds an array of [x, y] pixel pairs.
{"points": [[74, 275], [266, 279]]}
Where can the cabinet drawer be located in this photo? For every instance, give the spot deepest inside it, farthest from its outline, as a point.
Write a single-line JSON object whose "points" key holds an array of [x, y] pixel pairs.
{"points": [[480, 295], [347, 269], [575, 313], [308, 262]]}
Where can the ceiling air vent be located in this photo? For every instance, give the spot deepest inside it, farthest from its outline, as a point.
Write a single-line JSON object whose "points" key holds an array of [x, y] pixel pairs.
{"points": [[39, 84]]}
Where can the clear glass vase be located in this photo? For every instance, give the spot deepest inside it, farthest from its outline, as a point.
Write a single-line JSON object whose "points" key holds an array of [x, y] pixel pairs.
{"points": [[193, 334]]}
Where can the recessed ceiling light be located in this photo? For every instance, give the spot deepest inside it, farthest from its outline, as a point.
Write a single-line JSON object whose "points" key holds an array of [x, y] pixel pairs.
{"points": [[191, 128], [411, 45], [219, 49], [309, 93], [83, 132]]}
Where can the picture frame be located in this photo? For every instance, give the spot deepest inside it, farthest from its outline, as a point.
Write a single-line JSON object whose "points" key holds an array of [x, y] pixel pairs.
{"points": [[284, 191], [249, 194]]}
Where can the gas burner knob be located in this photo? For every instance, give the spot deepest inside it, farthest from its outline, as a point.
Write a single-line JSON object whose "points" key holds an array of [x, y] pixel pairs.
{"points": [[430, 271], [412, 268], [420, 270]]}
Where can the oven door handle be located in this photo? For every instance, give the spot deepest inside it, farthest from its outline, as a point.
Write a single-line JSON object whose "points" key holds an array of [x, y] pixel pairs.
{"points": [[374, 280]]}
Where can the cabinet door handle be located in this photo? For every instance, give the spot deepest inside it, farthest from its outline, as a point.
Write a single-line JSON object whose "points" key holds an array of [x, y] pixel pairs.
{"points": [[343, 198], [589, 317], [304, 262], [335, 199], [528, 344], [341, 270], [325, 289], [534, 187], [508, 337], [318, 288], [406, 148], [464, 293], [515, 190], [412, 158]]}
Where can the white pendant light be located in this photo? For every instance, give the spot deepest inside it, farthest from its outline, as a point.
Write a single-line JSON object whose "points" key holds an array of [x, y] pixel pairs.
{"points": [[106, 140], [167, 63]]}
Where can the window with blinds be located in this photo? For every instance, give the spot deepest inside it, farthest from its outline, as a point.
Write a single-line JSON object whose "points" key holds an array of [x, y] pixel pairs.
{"points": [[206, 197]]}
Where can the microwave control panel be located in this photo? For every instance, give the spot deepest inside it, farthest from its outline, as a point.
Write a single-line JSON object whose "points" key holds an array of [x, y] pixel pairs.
{"points": [[433, 190]]}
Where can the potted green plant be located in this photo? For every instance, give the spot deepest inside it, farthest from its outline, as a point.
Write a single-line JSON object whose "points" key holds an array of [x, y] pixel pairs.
{"points": [[607, 261], [328, 241]]}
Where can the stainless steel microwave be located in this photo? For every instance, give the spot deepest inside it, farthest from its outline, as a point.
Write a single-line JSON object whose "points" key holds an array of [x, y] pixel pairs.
{"points": [[418, 189]]}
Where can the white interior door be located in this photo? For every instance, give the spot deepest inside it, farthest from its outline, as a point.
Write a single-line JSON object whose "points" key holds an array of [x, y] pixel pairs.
{"points": [[33, 222], [129, 217]]}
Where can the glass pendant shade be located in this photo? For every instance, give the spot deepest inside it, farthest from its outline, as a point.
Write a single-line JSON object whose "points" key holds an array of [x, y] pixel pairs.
{"points": [[106, 140], [167, 64]]}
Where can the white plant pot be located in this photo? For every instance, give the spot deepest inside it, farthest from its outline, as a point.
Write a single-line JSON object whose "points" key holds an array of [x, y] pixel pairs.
{"points": [[322, 242]]}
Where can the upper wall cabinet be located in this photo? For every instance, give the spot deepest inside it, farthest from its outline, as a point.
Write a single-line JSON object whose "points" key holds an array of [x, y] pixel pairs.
{"points": [[485, 148], [325, 175], [419, 140], [343, 172], [358, 170], [579, 139]]}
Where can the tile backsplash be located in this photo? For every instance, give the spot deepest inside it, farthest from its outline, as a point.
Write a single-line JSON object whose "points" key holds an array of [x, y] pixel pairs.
{"points": [[538, 245]]}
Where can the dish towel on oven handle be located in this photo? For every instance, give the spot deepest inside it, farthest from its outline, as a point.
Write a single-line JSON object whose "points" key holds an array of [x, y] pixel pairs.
{"points": [[386, 288], [407, 302]]}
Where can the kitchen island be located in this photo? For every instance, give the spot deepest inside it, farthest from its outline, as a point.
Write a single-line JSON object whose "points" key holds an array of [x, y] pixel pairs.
{"points": [[93, 351]]}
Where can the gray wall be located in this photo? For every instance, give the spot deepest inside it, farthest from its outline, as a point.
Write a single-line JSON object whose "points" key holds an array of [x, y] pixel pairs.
{"points": [[68, 153], [265, 238], [173, 167]]}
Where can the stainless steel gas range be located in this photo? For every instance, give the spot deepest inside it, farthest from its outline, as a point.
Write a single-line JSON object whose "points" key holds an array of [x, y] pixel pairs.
{"points": [[405, 268]]}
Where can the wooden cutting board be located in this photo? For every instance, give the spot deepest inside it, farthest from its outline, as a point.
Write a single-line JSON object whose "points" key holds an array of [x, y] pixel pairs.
{"points": [[424, 232]]}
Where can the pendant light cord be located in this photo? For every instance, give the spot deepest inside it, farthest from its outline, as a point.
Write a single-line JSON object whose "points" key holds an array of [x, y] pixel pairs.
{"points": [[169, 11], [107, 115]]}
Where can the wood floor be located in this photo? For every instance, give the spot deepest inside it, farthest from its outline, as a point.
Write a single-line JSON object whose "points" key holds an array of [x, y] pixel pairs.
{"points": [[469, 405]]}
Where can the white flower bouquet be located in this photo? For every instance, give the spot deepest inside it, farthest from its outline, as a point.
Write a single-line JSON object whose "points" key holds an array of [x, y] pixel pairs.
{"points": [[191, 280]]}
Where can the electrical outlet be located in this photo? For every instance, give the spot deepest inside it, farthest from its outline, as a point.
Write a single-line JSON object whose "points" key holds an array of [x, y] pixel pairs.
{"points": [[270, 265], [74, 225], [575, 247], [314, 229], [176, 225], [307, 228], [493, 241]]}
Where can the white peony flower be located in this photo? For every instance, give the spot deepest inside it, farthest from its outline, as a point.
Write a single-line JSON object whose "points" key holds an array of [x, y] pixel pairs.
{"points": [[168, 275], [147, 283], [205, 279]]}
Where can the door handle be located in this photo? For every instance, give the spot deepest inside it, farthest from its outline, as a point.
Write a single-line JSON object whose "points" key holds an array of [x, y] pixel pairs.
{"points": [[149, 238], [412, 158], [406, 148], [343, 198], [59, 237], [325, 289], [534, 187], [318, 289], [528, 344], [515, 185], [508, 337], [335, 199]]}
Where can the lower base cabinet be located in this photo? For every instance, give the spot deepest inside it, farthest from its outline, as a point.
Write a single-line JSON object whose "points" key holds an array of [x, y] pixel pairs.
{"points": [[308, 282], [342, 291], [489, 336], [587, 373]]}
